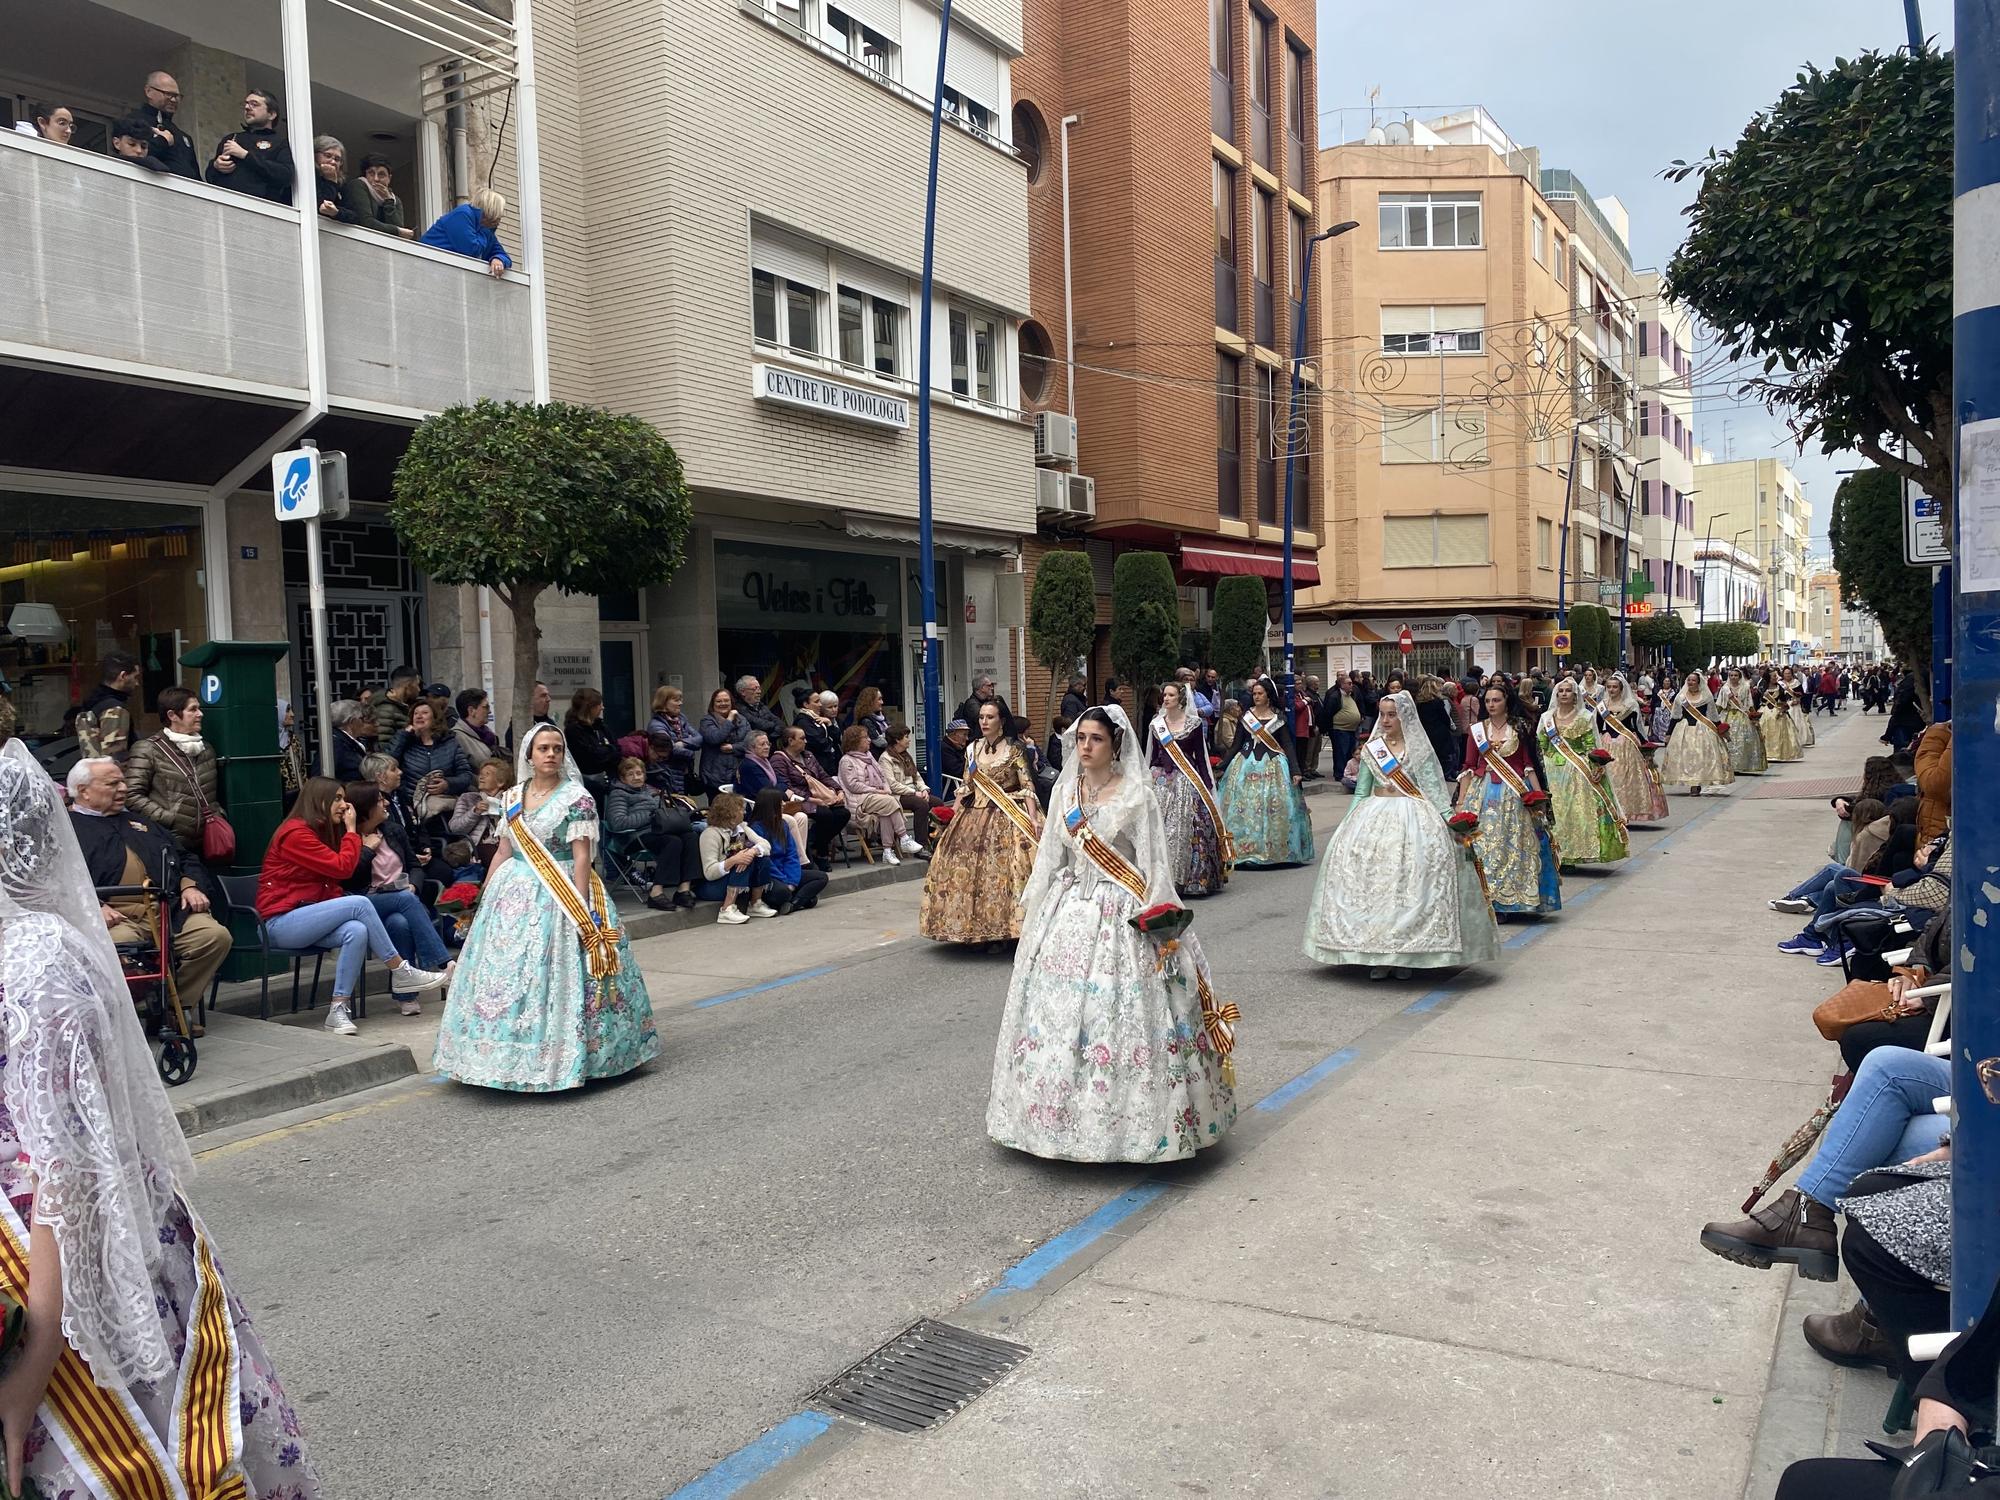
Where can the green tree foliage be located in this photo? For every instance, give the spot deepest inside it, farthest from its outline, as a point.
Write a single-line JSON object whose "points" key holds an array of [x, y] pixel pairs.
{"points": [[1664, 635], [1593, 638], [1821, 243], [1866, 530], [1145, 620], [1242, 616], [1062, 617], [1738, 638], [525, 498], [1196, 645]]}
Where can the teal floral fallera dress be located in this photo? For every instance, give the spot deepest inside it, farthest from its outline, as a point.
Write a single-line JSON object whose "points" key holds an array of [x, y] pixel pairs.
{"points": [[524, 1013], [1262, 810]]}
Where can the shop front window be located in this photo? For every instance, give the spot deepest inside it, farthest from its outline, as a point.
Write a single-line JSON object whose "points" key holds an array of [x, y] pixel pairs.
{"points": [[82, 578], [798, 618]]}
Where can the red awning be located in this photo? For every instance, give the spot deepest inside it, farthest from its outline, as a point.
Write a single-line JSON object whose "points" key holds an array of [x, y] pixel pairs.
{"points": [[1256, 561]]}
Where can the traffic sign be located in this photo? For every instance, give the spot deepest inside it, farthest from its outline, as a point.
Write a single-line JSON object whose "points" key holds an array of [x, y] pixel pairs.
{"points": [[211, 689], [1405, 642], [295, 484], [1925, 543], [1463, 631], [1559, 643]]}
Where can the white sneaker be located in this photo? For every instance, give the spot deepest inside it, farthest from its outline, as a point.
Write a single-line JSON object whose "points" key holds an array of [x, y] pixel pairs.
{"points": [[910, 846], [338, 1021], [408, 1006], [759, 909], [731, 914], [408, 979], [889, 856]]}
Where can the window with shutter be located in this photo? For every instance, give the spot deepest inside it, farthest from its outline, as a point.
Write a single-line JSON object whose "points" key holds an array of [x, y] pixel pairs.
{"points": [[1407, 541], [1461, 541], [1409, 435]]}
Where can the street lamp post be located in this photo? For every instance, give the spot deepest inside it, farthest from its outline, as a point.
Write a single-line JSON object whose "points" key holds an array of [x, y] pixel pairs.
{"points": [[1292, 440], [926, 547]]}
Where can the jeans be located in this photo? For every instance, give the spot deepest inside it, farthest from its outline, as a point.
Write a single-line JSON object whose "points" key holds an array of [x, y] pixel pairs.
{"points": [[801, 897], [1343, 750], [1813, 884], [349, 923], [1885, 1118], [756, 873], [410, 928]]}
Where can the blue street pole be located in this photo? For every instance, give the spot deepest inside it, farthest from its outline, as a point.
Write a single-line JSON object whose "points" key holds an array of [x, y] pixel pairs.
{"points": [[1292, 441], [1975, 757], [926, 550], [1914, 20]]}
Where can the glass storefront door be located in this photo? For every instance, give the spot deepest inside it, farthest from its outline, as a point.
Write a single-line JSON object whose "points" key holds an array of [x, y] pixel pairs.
{"points": [[798, 618]]}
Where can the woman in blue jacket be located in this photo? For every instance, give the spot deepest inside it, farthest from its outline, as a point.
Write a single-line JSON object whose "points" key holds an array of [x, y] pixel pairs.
{"points": [[471, 229]]}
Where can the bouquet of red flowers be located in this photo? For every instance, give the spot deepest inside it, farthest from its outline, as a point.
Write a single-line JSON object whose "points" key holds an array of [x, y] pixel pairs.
{"points": [[1463, 825], [1534, 800], [1165, 922], [1600, 757], [459, 901], [1756, 714], [1722, 730], [1647, 747]]}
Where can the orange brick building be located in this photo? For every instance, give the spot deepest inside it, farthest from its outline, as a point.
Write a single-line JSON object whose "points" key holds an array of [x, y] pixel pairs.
{"points": [[1190, 156]]}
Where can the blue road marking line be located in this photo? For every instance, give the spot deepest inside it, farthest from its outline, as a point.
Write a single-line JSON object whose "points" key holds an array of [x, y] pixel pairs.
{"points": [[1428, 1002], [1285, 1093], [1032, 1268], [753, 1461], [758, 989]]}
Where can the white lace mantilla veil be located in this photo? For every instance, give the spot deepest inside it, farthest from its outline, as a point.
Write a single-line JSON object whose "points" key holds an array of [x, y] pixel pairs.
{"points": [[1129, 810], [1583, 706], [524, 773], [1419, 756], [1628, 701], [1700, 697], [87, 1103]]}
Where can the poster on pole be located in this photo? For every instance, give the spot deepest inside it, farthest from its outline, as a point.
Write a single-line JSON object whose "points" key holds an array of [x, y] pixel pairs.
{"points": [[1979, 507]]}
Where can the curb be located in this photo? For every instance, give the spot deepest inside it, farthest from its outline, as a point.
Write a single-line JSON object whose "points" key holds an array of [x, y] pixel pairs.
{"points": [[385, 1063], [643, 922]]}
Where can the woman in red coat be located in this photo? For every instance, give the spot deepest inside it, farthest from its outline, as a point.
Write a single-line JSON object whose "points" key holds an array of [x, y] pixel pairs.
{"points": [[300, 898]]}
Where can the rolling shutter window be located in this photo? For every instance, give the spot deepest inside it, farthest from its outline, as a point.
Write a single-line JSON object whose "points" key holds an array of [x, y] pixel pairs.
{"points": [[884, 16], [1409, 436], [973, 68], [1406, 541], [787, 256], [1461, 541]]}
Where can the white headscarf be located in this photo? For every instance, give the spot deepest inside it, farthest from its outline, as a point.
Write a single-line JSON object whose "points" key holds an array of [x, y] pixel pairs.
{"points": [[1699, 697], [1418, 755], [570, 787], [1128, 810], [1626, 702], [1584, 706], [88, 1107]]}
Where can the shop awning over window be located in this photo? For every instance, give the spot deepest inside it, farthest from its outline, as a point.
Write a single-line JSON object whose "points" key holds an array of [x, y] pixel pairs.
{"points": [[883, 529], [1257, 561]]}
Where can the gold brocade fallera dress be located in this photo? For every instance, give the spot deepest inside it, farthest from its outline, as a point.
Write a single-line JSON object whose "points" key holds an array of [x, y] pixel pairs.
{"points": [[972, 892]]}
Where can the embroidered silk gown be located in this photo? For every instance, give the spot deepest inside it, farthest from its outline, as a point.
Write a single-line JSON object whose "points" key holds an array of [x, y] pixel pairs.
{"points": [[1747, 755], [1192, 837], [1780, 731], [981, 864], [1102, 1055], [1695, 755], [1801, 711], [524, 1013], [1635, 784], [1513, 843], [1588, 829], [1396, 889], [1262, 810]]}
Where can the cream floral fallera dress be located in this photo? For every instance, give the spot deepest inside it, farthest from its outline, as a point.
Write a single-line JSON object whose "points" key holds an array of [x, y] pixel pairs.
{"points": [[1102, 1054]]}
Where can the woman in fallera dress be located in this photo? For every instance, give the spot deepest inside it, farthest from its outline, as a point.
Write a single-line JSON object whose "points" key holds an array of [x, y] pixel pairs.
{"points": [[1736, 710], [1801, 710], [1108, 1047], [982, 860], [1780, 731], [1184, 786], [1503, 771], [1625, 729], [1588, 827], [1258, 787], [547, 995], [1397, 890], [1697, 753]]}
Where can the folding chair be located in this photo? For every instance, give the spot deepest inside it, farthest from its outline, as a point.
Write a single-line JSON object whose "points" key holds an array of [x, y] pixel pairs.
{"points": [[241, 893], [621, 856]]}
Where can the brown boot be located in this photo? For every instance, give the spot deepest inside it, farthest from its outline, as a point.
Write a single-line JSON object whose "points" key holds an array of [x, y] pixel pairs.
{"points": [[1791, 1229], [1850, 1338]]}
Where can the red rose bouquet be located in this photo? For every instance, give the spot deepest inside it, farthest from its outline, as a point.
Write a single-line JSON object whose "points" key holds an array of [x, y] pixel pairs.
{"points": [[1600, 757], [459, 902], [1164, 922], [1535, 800], [1464, 824]]}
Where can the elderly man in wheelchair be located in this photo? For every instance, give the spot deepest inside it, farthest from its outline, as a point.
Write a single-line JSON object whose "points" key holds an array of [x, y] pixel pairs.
{"points": [[133, 862]]}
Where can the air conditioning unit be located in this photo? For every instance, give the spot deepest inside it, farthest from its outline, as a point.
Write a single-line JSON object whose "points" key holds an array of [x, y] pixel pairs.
{"points": [[1071, 495], [1055, 438], [1082, 496]]}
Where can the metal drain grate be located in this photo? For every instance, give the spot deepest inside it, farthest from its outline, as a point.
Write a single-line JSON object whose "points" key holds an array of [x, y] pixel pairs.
{"points": [[926, 1373]]}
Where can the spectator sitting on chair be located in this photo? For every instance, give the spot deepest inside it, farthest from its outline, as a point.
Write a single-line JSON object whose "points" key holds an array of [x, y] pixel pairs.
{"points": [[434, 766], [171, 777], [868, 714], [386, 773], [951, 749], [472, 229], [723, 733], [474, 730], [757, 772], [393, 705], [760, 715], [478, 814], [825, 806], [353, 737], [300, 899], [735, 862], [381, 876], [666, 832], [676, 766], [906, 783], [371, 201], [869, 796], [122, 848], [793, 885]]}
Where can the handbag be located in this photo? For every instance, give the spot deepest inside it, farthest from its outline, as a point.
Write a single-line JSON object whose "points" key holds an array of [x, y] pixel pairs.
{"points": [[218, 835], [1857, 1001]]}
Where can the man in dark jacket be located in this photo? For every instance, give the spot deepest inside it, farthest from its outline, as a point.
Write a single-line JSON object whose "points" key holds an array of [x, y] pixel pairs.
{"points": [[170, 145], [122, 848], [256, 159], [1367, 697], [750, 703], [392, 710], [104, 720], [1075, 701]]}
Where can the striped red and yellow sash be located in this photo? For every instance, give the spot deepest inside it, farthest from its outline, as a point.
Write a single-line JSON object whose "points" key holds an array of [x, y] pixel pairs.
{"points": [[1559, 742], [104, 1434], [977, 776], [1495, 764], [1202, 790], [592, 920], [1264, 736]]}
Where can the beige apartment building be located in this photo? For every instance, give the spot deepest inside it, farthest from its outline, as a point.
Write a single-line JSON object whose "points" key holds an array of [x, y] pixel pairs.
{"points": [[1668, 534], [1758, 504], [1472, 345]]}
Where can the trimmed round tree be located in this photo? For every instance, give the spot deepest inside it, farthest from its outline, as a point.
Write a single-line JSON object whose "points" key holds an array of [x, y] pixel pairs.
{"points": [[523, 498], [1242, 619], [1062, 617], [1145, 620]]}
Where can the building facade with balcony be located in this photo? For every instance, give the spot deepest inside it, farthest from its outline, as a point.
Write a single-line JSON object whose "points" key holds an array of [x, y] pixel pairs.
{"points": [[1166, 239], [1475, 399], [1759, 502], [162, 337], [1668, 529], [1729, 582]]}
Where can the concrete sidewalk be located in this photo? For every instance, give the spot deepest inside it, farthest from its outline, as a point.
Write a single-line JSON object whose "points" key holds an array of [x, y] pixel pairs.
{"points": [[1467, 1265]]}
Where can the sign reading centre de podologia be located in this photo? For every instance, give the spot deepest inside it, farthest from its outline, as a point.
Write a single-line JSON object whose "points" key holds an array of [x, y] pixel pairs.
{"points": [[828, 397]]}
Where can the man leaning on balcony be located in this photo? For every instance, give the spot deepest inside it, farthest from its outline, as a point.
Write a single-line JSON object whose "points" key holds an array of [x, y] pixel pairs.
{"points": [[255, 159], [169, 145]]}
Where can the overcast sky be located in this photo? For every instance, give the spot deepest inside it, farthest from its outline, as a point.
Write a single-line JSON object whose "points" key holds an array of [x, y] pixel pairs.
{"points": [[1614, 93]]}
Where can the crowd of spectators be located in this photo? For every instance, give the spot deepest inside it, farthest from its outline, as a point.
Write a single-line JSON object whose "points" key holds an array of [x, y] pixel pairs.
{"points": [[256, 159]]}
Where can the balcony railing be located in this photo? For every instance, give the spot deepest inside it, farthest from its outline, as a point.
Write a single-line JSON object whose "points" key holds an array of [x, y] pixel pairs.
{"points": [[108, 265], [1221, 104], [1265, 307], [1260, 134], [1228, 483], [1225, 295]]}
